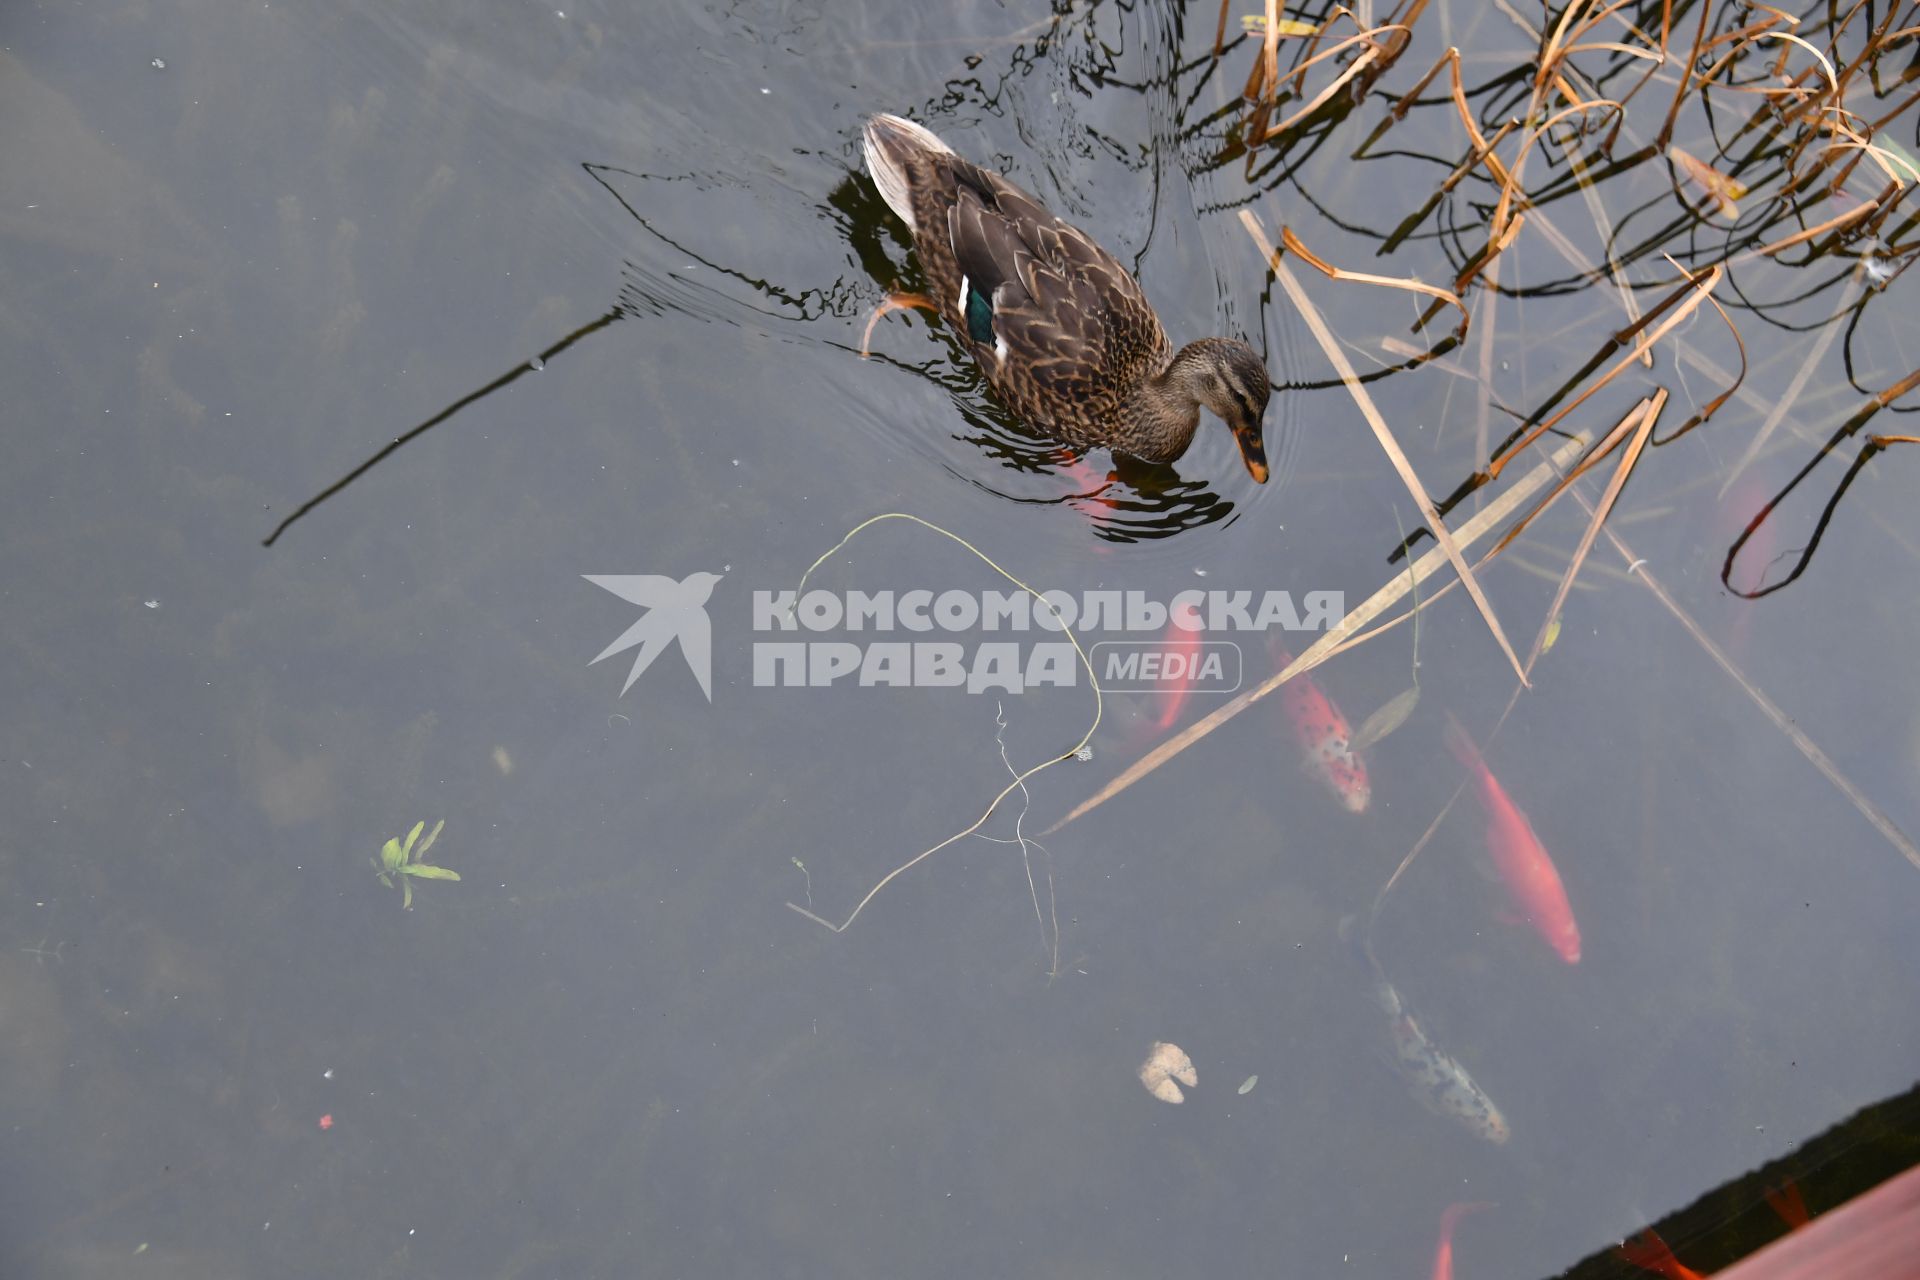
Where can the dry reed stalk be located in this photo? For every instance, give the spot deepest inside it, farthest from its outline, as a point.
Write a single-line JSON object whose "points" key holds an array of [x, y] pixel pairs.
{"points": [[1647, 413], [1338, 358], [1293, 245], [1694, 293], [1347, 633], [1804, 744]]}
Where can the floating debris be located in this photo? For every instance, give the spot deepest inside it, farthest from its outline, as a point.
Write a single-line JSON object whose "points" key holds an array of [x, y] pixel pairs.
{"points": [[1255, 24], [1726, 192], [1246, 1086], [1386, 718], [1167, 1064]]}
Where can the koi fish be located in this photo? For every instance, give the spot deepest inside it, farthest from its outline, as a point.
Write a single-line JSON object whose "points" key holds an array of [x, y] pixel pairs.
{"points": [[1187, 645], [1650, 1253], [1093, 486], [1449, 1218], [1533, 885], [1436, 1081], [1748, 571], [1326, 740], [1788, 1204]]}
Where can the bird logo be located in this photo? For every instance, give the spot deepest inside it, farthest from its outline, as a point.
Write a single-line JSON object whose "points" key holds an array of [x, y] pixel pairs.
{"points": [[674, 611]]}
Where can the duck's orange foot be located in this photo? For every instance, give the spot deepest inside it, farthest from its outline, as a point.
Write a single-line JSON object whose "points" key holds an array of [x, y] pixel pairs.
{"points": [[892, 302]]}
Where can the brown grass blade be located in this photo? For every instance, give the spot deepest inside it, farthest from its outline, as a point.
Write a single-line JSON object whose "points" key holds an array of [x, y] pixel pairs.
{"points": [[1696, 293], [1345, 632], [1817, 351], [1367, 58], [1805, 745], [1835, 223], [1292, 242], [1577, 164], [1382, 433], [1648, 413]]}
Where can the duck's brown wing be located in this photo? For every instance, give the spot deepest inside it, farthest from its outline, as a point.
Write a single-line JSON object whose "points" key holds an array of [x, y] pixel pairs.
{"points": [[1054, 318]]}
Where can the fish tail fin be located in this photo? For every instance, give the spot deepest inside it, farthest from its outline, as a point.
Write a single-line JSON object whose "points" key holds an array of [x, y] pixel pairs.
{"points": [[1451, 1215], [1458, 1210], [1357, 936], [1650, 1253], [1462, 747], [1790, 1206]]}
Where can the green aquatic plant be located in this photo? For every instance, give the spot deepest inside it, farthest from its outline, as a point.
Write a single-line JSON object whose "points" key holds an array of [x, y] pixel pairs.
{"points": [[407, 860]]}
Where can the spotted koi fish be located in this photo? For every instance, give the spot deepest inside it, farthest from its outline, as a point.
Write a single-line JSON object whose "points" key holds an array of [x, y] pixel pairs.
{"points": [[1436, 1081], [1326, 740]]}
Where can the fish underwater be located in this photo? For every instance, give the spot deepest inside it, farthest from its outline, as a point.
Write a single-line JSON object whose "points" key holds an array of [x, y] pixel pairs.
{"points": [[1449, 1219], [1325, 738], [1531, 880], [1186, 643], [1650, 1253], [1436, 1081]]}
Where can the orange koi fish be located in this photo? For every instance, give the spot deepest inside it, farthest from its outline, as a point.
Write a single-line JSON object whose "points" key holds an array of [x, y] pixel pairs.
{"points": [[1186, 644], [1326, 740], [1449, 1217], [1650, 1253], [1093, 497], [1788, 1204], [1748, 571], [1533, 885]]}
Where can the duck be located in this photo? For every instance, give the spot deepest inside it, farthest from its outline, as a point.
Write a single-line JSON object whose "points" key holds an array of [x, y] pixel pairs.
{"points": [[1063, 333]]}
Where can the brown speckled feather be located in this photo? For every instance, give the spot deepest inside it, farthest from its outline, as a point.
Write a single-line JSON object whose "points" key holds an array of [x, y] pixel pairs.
{"points": [[1079, 333]]}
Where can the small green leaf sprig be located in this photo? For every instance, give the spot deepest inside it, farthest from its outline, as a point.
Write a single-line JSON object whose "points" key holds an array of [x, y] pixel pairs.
{"points": [[407, 861]]}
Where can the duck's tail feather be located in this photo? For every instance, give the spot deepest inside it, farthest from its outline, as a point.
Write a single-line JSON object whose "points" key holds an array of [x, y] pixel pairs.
{"points": [[890, 142]]}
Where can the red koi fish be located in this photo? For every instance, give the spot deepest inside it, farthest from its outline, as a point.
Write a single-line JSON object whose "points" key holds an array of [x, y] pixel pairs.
{"points": [[1533, 885], [1788, 1204], [1751, 568], [1092, 486], [1650, 1253], [1449, 1217], [1326, 741], [1186, 644]]}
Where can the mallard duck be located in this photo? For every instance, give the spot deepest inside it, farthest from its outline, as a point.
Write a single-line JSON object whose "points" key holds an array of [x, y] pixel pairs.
{"points": [[1062, 331]]}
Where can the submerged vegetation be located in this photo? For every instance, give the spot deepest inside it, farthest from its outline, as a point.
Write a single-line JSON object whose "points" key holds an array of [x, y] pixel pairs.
{"points": [[408, 861]]}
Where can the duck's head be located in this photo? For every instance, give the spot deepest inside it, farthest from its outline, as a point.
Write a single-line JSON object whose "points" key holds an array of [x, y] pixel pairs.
{"points": [[1226, 376]]}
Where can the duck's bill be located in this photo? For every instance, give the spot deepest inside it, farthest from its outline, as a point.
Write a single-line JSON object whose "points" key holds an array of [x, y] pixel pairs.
{"points": [[1253, 451]]}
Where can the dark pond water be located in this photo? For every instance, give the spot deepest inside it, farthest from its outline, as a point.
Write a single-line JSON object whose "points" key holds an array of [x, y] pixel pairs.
{"points": [[248, 246]]}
